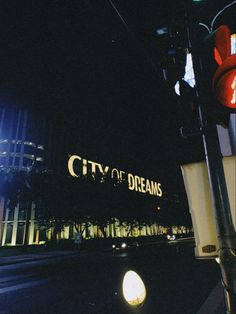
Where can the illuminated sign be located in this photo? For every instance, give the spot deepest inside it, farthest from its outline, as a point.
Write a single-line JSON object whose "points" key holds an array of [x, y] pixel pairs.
{"points": [[78, 166]]}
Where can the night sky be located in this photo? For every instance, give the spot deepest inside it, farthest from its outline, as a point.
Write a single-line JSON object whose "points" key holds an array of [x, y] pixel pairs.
{"points": [[76, 63]]}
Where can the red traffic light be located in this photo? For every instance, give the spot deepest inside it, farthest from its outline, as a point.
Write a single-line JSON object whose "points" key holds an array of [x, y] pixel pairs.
{"points": [[222, 48], [224, 80], [224, 83]]}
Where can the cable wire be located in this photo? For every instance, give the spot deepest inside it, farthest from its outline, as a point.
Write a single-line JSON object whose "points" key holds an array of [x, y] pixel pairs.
{"points": [[219, 13], [204, 25], [133, 36]]}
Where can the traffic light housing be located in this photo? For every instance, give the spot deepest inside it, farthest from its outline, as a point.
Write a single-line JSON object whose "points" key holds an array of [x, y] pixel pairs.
{"points": [[217, 72], [224, 79]]}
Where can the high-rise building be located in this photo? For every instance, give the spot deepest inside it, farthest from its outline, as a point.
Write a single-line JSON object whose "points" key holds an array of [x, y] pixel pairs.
{"points": [[21, 148], [21, 145], [28, 141]]}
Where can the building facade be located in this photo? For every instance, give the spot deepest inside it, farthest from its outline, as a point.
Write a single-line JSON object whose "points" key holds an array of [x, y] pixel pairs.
{"points": [[29, 142], [21, 144], [14, 228]]}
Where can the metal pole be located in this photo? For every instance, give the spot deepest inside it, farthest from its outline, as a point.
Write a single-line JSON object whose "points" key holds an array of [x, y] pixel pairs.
{"points": [[224, 224]]}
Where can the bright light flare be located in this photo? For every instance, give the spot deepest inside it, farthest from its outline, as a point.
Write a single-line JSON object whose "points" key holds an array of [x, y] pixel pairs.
{"points": [[134, 290], [233, 43], [225, 86], [189, 76], [233, 86]]}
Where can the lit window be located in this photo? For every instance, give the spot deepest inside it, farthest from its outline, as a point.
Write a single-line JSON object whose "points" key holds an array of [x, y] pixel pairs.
{"points": [[3, 141], [40, 147], [16, 142], [29, 156], [29, 143]]}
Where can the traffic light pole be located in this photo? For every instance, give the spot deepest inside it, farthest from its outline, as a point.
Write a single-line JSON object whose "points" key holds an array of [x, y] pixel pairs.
{"points": [[224, 224]]}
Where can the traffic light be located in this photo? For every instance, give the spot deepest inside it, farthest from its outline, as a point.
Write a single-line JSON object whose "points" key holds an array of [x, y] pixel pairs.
{"points": [[217, 74], [224, 79]]}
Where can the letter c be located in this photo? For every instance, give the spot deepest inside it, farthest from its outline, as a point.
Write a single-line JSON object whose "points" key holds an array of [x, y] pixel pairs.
{"points": [[71, 165]]}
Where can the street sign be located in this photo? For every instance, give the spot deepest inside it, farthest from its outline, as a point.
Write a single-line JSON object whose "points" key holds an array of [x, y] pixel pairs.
{"points": [[198, 191]]}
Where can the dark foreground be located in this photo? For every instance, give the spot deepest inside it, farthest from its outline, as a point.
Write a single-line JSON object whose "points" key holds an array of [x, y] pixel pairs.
{"points": [[90, 282]]}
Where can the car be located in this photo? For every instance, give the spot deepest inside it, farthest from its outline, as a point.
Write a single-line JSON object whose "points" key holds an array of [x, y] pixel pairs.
{"points": [[170, 237], [124, 246]]}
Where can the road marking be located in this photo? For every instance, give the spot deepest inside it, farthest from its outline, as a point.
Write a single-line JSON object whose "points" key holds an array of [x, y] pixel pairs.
{"points": [[23, 285]]}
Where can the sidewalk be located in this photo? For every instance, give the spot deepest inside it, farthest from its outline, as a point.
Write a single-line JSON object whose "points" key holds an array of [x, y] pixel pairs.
{"points": [[28, 257], [214, 304]]}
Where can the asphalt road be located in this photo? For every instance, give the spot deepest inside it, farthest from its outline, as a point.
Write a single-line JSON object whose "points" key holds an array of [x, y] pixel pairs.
{"points": [[90, 282]]}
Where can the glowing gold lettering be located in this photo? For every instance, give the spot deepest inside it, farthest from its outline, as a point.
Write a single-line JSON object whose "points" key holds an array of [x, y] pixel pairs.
{"points": [[93, 166], [143, 190], [122, 175], [159, 189], [135, 182], [148, 187], [154, 187], [131, 182], [71, 165], [84, 171], [117, 174], [103, 171]]}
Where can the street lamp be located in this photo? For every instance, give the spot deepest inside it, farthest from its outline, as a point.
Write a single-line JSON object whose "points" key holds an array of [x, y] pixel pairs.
{"points": [[134, 290]]}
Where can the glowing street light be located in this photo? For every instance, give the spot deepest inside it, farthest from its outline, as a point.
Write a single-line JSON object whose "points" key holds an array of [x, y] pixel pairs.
{"points": [[134, 290]]}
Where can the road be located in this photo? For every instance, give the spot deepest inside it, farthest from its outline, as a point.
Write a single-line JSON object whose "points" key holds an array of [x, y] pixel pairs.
{"points": [[90, 282]]}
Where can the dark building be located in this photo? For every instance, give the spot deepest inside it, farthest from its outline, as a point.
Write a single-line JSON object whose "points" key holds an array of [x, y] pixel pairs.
{"points": [[27, 141], [21, 142]]}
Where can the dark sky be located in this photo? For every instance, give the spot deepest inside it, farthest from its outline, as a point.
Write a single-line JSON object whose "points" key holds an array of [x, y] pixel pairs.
{"points": [[77, 64]]}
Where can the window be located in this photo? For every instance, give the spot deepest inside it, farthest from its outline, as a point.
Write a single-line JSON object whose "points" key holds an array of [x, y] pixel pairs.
{"points": [[22, 214], [11, 214], [2, 160], [3, 147], [18, 148], [42, 234], [29, 149], [11, 161], [27, 162], [40, 147], [9, 233], [20, 233]]}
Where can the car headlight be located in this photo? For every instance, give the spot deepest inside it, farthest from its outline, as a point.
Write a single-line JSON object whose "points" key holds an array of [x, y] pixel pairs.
{"points": [[123, 245], [113, 246]]}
